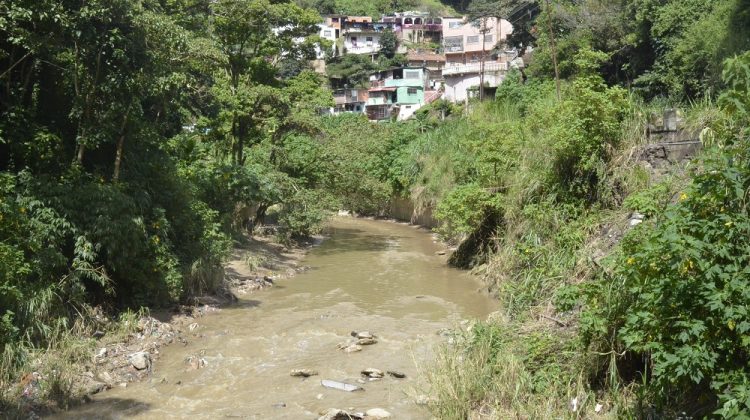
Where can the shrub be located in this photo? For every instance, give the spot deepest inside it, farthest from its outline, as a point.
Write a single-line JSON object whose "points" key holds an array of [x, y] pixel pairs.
{"points": [[462, 210]]}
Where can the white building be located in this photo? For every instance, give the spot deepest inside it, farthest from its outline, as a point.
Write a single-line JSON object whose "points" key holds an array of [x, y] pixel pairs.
{"points": [[329, 34], [362, 42], [460, 80]]}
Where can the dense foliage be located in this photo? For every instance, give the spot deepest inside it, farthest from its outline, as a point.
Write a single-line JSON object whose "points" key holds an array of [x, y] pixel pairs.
{"points": [[681, 297], [136, 137]]}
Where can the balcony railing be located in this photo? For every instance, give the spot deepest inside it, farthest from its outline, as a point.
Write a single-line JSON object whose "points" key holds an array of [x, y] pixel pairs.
{"points": [[432, 27], [474, 68]]}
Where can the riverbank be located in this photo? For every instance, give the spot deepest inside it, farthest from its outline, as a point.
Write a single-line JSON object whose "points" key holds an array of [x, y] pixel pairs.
{"points": [[123, 348]]}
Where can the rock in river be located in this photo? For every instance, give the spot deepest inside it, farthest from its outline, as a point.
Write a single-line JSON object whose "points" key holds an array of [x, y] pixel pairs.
{"points": [[305, 373], [362, 334], [349, 347], [338, 414], [377, 413], [397, 374], [373, 373], [366, 341], [195, 362], [140, 360]]}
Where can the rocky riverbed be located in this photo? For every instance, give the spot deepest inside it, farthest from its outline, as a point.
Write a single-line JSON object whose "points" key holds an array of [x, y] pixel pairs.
{"points": [[346, 337]]}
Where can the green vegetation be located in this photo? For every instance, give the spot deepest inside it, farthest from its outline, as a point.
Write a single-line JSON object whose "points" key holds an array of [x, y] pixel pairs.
{"points": [[138, 138], [538, 191]]}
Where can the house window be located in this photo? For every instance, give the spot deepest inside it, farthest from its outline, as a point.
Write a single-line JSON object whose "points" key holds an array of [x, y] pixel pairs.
{"points": [[453, 43], [472, 39], [411, 91], [369, 39], [488, 38], [411, 74], [354, 41], [455, 24], [335, 19], [327, 33]]}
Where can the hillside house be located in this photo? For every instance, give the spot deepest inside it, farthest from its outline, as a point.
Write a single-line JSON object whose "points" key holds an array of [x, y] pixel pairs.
{"points": [[335, 21], [416, 27], [398, 93], [349, 100], [329, 34], [362, 42], [431, 61], [463, 46], [363, 37]]}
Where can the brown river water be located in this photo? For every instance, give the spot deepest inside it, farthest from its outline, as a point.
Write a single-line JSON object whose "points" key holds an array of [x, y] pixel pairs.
{"points": [[378, 276]]}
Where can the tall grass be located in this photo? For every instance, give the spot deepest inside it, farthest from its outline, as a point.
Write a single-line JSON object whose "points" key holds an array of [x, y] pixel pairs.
{"points": [[492, 372], [531, 363]]}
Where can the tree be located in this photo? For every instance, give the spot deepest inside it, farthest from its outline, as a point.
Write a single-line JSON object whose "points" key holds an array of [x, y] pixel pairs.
{"points": [[255, 35], [388, 43]]}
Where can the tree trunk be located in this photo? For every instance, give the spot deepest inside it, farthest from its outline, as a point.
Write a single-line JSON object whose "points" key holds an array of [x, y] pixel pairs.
{"points": [[120, 143], [241, 141], [79, 154], [260, 214]]}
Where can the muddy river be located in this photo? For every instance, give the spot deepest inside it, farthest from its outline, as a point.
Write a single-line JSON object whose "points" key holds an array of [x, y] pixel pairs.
{"points": [[382, 277]]}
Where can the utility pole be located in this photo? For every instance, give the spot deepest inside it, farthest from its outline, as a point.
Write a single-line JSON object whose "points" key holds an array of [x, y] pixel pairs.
{"points": [[554, 48], [483, 29]]}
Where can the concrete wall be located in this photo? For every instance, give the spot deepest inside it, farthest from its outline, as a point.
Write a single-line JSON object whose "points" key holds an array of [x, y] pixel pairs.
{"points": [[403, 96], [403, 209], [456, 87]]}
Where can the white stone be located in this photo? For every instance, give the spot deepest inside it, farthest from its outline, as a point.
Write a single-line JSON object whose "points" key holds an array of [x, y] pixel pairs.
{"points": [[140, 360], [377, 413]]}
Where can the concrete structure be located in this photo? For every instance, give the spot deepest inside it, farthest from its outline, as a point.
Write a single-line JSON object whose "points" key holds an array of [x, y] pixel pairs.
{"points": [[416, 27], [432, 61], [361, 35], [361, 42], [349, 100], [335, 21], [398, 93], [358, 19], [462, 40], [463, 46], [329, 34], [460, 81]]}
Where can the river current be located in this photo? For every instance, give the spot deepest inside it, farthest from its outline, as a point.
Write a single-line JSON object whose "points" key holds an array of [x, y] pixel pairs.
{"points": [[381, 277]]}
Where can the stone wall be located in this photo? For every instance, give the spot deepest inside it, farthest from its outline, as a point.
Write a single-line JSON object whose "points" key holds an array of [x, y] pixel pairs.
{"points": [[660, 155], [403, 209], [670, 143]]}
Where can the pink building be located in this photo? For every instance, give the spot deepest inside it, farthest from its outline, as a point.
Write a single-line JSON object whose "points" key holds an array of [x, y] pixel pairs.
{"points": [[462, 40], [463, 47]]}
